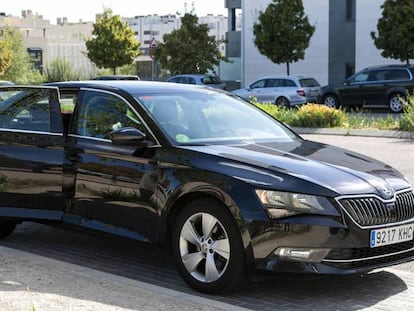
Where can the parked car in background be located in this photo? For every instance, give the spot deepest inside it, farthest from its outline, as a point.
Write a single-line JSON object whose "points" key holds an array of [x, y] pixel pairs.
{"points": [[5, 82], [117, 77], [198, 79], [284, 91], [223, 186], [373, 87]]}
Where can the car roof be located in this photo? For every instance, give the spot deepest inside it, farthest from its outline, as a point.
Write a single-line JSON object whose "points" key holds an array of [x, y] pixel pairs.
{"points": [[117, 77], [286, 77], [388, 66], [192, 75], [133, 87]]}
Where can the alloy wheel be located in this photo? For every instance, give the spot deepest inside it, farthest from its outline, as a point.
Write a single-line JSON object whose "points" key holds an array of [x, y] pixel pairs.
{"points": [[330, 101], [396, 103], [204, 247]]}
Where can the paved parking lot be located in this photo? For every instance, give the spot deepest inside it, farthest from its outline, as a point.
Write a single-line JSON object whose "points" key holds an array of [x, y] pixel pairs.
{"points": [[386, 289]]}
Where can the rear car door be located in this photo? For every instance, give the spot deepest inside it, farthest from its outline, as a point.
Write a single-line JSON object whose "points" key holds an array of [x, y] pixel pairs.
{"points": [[374, 92], [111, 187], [31, 153]]}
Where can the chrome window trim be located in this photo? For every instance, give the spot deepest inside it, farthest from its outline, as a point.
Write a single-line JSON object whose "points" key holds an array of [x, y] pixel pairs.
{"points": [[368, 258], [157, 142], [393, 199], [102, 139], [30, 132], [91, 138]]}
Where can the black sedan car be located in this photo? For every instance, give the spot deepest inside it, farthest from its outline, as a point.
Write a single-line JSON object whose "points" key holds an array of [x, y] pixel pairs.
{"points": [[224, 186]]}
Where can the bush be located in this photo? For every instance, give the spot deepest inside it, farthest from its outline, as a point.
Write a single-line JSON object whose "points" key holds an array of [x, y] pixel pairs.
{"points": [[314, 115], [281, 113], [60, 70], [407, 119], [310, 115]]}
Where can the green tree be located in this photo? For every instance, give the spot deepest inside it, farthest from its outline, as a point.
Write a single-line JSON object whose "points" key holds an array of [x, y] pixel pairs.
{"points": [[189, 49], [396, 30], [61, 70], [6, 55], [21, 69], [283, 32], [113, 43]]}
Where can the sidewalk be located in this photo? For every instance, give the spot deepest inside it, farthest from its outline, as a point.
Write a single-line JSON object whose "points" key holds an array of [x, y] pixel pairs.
{"points": [[354, 132], [35, 283]]}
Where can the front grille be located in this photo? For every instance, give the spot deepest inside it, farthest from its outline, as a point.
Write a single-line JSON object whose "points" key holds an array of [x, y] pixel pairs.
{"points": [[367, 252], [372, 211], [366, 257]]}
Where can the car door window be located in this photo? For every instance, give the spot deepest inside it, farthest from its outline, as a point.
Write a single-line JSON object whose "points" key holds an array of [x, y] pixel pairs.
{"points": [[398, 74], [27, 109], [361, 77], [102, 113], [288, 83], [258, 84], [272, 83]]}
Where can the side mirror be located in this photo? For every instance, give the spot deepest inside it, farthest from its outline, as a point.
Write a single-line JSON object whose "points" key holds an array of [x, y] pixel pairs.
{"points": [[127, 136]]}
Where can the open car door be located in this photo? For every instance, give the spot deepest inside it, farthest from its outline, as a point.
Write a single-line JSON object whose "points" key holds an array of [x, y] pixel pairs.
{"points": [[31, 153]]}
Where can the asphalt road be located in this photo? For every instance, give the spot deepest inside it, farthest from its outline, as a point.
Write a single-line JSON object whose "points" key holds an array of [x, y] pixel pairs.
{"points": [[396, 152]]}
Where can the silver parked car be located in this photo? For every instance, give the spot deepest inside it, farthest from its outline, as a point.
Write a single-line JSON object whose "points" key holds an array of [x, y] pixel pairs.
{"points": [[198, 79], [284, 91]]}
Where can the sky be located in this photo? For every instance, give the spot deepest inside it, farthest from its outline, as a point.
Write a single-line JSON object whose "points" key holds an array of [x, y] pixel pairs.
{"points": [[85, 10]]}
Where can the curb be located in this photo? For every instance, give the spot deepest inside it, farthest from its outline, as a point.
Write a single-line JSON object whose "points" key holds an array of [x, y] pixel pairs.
{"points": [[354, 132]]}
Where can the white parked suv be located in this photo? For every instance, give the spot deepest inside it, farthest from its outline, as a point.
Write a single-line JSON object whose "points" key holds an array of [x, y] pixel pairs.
{"points": [[282, 90]]}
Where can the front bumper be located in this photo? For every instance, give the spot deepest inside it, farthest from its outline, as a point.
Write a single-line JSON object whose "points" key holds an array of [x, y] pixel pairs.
{"points": [[347, 247]]}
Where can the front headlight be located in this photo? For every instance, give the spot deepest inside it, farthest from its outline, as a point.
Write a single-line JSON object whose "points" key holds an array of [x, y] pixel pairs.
{"points": [[282, 204]]}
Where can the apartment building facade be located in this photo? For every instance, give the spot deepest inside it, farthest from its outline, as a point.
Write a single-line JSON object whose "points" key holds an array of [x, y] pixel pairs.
{"points": [[46, 42]]}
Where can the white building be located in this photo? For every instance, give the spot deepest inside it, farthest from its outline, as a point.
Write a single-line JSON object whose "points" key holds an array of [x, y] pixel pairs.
{"points": [[154, 27], [46, 42]]}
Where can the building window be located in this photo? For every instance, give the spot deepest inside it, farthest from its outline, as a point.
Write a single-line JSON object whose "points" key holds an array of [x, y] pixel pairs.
{"points": [[349, 10], [36, 56]]}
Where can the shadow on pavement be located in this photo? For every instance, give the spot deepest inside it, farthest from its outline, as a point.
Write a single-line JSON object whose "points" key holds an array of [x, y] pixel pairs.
{"points": [[140, 262]]}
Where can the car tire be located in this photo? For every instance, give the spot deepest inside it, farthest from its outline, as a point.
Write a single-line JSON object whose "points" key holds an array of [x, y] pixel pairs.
{"points": [[330, 101], [283, 102], [207, 247], [6, 228], [396, 103]]}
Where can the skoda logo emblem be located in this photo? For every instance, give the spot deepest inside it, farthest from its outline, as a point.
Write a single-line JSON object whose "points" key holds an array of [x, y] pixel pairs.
{"points": [[386, 190]]}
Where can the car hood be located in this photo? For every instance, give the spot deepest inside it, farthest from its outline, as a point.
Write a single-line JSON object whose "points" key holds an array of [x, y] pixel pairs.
{"points": [[307, 166], [333, 86]]}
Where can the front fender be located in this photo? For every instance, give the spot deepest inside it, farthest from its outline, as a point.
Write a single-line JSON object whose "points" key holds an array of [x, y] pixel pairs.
{"points": [[242, 211]]}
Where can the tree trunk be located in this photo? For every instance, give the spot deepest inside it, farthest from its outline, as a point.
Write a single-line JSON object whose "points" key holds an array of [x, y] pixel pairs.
{"points": [[114, 71], [287, 69]]}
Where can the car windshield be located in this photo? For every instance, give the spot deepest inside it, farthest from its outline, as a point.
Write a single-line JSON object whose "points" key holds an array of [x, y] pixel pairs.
{"points": [[205, 118]]}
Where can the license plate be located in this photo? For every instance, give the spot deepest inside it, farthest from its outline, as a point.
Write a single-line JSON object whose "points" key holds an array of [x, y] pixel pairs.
{"points": [[391, 235]]}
